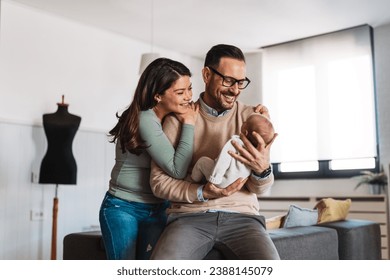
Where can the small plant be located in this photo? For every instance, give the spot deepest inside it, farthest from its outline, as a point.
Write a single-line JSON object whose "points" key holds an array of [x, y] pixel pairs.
{"points": [[371, 178]]}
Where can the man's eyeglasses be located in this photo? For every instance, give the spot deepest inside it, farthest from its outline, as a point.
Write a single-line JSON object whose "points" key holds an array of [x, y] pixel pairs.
{"points": [[229, 81]]}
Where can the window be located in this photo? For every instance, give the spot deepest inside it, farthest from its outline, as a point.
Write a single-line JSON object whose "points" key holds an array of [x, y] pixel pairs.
{"points": [[320, 93]]}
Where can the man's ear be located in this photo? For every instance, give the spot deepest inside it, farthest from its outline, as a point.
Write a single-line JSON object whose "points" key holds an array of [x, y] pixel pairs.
{"points": [[206, 74]]}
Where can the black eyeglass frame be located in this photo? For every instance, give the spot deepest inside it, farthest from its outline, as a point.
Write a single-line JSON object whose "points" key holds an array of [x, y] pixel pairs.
{"points": [[227, 77]]}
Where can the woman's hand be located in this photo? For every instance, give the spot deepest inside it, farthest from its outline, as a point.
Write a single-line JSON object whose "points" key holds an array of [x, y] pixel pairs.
{"points": [[262, 110], [191, 115]]}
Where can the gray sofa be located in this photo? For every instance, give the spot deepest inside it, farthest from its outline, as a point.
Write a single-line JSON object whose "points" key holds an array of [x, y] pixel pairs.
{"points": [[344, 240]]}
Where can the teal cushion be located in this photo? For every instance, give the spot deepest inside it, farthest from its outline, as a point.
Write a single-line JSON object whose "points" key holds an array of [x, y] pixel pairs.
{"points": [[297, 216]]}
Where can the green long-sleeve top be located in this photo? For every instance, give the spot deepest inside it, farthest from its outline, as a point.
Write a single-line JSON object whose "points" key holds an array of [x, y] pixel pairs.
{"points": [[130, 174]]}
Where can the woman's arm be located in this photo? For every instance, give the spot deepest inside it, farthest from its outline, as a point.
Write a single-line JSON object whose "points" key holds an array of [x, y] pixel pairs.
{"points": [[174, 162]]}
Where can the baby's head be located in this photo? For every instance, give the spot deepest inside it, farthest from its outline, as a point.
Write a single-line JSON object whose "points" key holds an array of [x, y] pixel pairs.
{"points": [[261, 124]]}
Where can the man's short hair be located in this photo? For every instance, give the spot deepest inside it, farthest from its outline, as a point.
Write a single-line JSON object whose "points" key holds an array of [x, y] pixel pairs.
{"points": [[217, 52]]}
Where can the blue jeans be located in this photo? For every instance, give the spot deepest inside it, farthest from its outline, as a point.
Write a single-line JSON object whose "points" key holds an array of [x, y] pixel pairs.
{"points": [[130, 230]]}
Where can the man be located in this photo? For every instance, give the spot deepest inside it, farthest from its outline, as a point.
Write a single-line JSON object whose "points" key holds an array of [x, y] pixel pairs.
{"points": [[203, 216]]}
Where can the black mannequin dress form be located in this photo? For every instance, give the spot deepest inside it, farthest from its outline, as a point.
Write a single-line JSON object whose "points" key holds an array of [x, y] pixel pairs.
{"points": [[58, 165]]}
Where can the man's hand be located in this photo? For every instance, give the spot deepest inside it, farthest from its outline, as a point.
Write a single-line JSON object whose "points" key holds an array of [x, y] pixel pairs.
{"points": [[256, 158], [261, 109], [210, 191]]}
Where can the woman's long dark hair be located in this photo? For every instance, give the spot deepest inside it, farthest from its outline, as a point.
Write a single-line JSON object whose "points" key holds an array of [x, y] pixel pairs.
{"points": [[156, 79]]}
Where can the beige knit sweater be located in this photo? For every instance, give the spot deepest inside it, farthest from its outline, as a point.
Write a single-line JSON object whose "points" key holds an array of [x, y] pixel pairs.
{"points": [[211, 133]]}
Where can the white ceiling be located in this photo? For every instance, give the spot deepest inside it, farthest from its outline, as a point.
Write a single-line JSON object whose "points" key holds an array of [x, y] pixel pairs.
{"points": [[193, 26]]}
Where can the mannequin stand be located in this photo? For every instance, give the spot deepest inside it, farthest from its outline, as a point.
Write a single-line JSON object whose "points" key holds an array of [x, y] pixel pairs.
{"points": [[54, 227]]}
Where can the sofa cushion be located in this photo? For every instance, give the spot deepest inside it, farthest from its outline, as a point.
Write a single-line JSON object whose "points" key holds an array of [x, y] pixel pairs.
{"points": [[298, 216], [358, 239], [274, 222], [84, 246], [306, 243]]}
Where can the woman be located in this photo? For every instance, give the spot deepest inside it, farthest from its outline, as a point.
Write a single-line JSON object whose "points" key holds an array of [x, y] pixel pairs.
{"points": [[131, 217]]}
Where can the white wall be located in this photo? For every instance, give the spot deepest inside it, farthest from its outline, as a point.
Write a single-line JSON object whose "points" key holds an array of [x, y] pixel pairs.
{"points": [[252, 94], [22, 148], [43, 56], [382, 68]]}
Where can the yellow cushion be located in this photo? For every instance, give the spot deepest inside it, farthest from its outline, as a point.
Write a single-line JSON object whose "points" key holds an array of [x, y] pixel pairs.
{"points": [[330, 210], [275, 222]]}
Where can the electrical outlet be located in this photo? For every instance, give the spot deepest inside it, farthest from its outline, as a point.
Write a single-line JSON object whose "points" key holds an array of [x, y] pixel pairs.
{"points": [[34, 177], [37, 215]]}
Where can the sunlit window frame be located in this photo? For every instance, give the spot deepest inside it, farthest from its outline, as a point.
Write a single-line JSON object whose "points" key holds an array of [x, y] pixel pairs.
{"points": [[324, 166], [324, 171]]}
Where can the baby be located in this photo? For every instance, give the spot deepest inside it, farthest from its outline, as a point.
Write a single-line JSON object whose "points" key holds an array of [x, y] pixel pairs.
{"points": [[225, 169]]}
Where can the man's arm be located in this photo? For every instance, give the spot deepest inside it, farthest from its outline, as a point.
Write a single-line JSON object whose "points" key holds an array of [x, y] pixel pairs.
{"points": [[260, 186]]}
